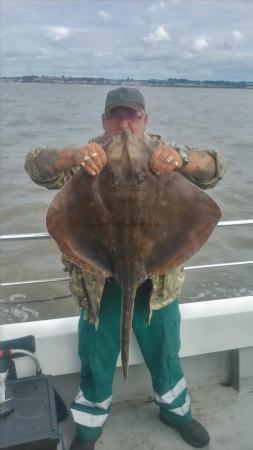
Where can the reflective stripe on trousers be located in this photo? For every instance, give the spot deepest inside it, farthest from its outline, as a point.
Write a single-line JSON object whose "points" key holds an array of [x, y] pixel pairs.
{"points": [[90, 419], [172, 395]]}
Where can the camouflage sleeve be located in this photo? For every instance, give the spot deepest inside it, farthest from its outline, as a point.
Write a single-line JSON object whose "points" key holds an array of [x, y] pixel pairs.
{"points": [[220, 165], [56, 181]]}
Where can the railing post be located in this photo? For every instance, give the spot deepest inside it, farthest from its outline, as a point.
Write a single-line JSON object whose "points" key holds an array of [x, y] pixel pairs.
{"points": [[242, 369]]}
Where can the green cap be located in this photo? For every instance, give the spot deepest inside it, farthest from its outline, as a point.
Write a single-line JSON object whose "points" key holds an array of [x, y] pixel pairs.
{"points": [[124, 96]]}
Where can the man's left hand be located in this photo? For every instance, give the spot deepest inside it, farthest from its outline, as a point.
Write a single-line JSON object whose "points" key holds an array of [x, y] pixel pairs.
{"points": [[165, 160]]}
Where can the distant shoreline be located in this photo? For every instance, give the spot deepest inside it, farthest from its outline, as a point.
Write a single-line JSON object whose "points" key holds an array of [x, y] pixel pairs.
{"points": [[170, 82]]}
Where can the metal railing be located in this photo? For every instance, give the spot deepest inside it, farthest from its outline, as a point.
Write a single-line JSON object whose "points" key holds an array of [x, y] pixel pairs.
{"points": [[39, 236]]}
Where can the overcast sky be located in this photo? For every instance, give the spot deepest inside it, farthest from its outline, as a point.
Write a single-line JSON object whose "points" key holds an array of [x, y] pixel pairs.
{"points": [[141, 39]]}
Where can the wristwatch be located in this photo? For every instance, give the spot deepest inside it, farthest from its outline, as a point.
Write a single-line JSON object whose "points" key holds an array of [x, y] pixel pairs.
{"points": [[183, 152]]}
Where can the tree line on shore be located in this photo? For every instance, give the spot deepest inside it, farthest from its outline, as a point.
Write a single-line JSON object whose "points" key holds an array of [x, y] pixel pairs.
{"points": [[175, 82]]}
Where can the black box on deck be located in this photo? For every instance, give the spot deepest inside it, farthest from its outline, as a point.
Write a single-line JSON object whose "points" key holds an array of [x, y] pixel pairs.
{"points": [[33, 423]]}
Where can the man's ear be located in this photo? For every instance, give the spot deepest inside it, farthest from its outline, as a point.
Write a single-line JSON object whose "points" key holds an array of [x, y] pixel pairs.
{"points": [[145, 119], [103, 118]]}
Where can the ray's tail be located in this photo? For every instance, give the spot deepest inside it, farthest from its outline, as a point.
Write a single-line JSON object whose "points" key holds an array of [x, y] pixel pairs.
{"points": [[129, 290]]}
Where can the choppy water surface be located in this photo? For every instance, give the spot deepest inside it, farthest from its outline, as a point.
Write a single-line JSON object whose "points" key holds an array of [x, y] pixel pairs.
{"points": [[61, 115]]}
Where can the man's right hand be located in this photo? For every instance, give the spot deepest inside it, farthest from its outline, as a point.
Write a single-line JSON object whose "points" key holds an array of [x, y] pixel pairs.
{"points": [[91, 157]]}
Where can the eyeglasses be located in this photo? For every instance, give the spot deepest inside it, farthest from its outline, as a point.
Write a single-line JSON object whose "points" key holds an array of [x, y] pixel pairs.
{"points": [[130, 115]]}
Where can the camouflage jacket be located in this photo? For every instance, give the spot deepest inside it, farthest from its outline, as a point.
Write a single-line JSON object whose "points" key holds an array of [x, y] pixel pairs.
{"points": [[88, 288]]}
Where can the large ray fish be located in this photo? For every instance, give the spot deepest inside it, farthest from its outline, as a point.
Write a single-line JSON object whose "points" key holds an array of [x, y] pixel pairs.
{"points": [[129, 223]]}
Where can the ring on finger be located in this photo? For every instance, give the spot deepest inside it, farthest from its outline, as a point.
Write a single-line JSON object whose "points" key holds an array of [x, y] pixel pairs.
{"points": [[170, 159], [94, 154]]}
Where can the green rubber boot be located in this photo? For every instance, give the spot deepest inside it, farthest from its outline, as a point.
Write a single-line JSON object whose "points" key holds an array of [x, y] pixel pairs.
{"points": [[77, 445], [192, 432]]}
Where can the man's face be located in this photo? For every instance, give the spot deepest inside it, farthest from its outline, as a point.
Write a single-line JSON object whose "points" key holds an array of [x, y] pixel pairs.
{"points": [[124, 119]]}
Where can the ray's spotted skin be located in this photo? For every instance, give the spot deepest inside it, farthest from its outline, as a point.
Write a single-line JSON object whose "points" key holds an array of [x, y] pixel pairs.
{"points": [[129, 223]]}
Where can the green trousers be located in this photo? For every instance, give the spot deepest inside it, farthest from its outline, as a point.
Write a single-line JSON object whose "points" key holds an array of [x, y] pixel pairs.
{"points": [[99, 349]]}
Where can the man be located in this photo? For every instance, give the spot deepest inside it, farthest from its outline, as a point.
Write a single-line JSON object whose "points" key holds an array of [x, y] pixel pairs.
{"points": [[99, 325]]}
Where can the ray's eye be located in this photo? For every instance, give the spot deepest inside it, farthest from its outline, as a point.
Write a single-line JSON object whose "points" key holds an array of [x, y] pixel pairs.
{"points": [[140, 177], [112, 178]]}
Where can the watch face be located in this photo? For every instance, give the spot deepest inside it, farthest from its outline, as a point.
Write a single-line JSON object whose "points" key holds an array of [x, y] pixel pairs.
{"points": [[184, 156]]}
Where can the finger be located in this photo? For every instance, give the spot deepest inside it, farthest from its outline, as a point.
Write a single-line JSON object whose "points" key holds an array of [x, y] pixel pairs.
{"points": [[94, 151], [93, 166], [156, 154], [90, 167], [156, 167], [87, 169], [162, 160], [101, 153], [97, 160], [170, 163], [164, 166], [156, 172], [165, 170], [90, 171], [159, 164]]}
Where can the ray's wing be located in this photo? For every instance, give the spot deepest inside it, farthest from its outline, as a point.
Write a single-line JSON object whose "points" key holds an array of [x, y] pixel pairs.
{"points": [[186, 217], [75, 220]]}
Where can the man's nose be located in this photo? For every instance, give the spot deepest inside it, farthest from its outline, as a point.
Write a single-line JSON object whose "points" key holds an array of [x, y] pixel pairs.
{"points": [[123, 123]]}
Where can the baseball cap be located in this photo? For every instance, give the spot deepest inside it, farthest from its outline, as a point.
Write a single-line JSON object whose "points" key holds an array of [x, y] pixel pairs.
{"points": [[124, 96]]}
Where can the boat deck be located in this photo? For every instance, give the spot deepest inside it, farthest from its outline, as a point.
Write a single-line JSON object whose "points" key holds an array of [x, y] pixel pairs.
{"points": [[225, 413]]}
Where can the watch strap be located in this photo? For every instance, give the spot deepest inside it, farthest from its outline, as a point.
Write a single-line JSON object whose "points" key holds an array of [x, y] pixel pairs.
{"points": [[183, 152]]}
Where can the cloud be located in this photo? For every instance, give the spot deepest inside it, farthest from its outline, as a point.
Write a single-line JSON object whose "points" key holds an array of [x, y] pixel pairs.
{"points": [[237, 35], [157, 6], [173, 38], [58, 33], [104, 15], [159, 35], [200, 44], [188, 55]]}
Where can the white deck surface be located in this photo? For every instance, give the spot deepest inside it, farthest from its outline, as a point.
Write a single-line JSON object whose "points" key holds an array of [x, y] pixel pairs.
{"points": [[227, 415]]}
